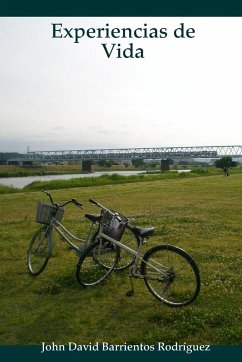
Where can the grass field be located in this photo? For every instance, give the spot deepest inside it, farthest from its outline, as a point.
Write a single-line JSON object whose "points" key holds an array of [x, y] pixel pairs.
{"points": [[200, 214]]}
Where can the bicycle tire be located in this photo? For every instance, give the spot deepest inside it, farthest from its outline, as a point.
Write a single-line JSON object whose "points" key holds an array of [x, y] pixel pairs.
{"points": [[176, 283], [126, 260], [39, 251], [89, 270]]}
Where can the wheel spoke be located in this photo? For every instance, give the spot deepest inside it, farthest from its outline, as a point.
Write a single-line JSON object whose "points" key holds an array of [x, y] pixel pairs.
{"points": [[171, 275], [39, 251], [96, 263]]}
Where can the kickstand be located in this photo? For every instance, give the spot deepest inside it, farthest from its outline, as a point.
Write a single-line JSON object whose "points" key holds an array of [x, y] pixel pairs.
{"points": [[131, 291]]}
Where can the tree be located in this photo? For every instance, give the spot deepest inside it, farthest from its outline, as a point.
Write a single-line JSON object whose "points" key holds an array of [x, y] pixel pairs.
{"points": [[137, 162], [104, 163], [225, 163]]}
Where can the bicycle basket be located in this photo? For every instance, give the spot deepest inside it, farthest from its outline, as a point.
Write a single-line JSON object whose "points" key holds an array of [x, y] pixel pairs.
{"points": [[45, 212], [111, 226]]}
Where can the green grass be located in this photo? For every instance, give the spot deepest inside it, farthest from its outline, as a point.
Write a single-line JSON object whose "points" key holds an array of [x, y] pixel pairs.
{"points": [[200, 214], [110, 179], [7, 189], [103, 180]]}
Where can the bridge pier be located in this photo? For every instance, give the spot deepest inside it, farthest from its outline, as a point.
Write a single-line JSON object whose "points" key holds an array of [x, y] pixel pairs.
{"points": [[86, 166], [164, 165]]}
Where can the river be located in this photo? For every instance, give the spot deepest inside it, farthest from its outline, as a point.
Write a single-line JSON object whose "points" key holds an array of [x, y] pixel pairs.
{"points": [[20, 182]]}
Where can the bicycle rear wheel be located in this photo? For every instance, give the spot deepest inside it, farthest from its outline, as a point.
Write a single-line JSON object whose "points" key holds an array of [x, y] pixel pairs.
{"points": [[90, 268], [39, 251], [171, 275], [125, 259]]}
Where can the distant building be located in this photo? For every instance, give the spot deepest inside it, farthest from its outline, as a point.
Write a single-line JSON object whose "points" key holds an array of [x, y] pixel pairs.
{"points": [[19, 162]]}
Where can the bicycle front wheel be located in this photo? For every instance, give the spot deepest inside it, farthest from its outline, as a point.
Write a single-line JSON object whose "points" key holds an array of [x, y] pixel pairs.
{"points": [[171, 275], [39, 251], [90, 268]]}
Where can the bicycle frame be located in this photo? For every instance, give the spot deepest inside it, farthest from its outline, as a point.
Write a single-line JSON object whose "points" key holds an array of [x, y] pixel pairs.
{"points": [[62, 230], [137, 254], [135, 272], [158, 266]]}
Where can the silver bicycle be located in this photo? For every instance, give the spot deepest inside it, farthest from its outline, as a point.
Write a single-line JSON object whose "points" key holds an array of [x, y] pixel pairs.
{"points": [[169, 272], [50, 216]]}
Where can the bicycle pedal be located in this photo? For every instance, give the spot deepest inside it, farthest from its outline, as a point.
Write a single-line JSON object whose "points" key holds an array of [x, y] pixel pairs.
{"points": [[130, 293]]}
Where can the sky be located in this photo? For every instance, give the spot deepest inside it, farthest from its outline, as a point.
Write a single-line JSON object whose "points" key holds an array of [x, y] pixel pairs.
{"points": [[59, 95]]}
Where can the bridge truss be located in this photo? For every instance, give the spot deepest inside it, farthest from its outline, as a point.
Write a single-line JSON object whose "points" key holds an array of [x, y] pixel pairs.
{"points": [[161, 153]]}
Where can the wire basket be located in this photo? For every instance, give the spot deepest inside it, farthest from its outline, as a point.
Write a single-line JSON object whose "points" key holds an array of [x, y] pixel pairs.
{"points": [[111, 226], [45, 213]]}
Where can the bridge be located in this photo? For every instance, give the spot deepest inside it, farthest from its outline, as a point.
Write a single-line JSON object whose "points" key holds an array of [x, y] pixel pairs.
{"points": [[155, 153], [131, 153]]}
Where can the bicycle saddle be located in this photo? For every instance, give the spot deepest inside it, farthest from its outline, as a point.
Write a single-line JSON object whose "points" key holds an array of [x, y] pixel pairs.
{"points": [[143, 232], [93, 217]]}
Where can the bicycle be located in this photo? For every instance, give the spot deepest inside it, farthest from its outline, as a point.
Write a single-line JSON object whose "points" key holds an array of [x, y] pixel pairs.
{"points": [[50, 216], [170, 273]]}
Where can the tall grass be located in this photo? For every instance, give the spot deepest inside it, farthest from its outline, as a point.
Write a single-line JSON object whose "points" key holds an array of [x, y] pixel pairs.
{"points": [[90, 181], [109, 179], [113, 178], [7, 189]]}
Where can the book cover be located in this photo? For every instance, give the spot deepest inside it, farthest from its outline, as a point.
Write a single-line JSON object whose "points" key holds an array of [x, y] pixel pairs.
{"points": [[120, 83]]}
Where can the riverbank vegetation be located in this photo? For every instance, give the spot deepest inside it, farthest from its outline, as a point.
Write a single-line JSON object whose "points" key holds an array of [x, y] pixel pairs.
{"points": [[37, 170], [199, 214], [108, 179], [111, 178], [20, 171]]}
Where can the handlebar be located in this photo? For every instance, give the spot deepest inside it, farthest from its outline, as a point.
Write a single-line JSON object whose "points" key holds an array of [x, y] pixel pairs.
{"points": [[94, 202], [112, 213], [50, 197], [74, 201]]}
